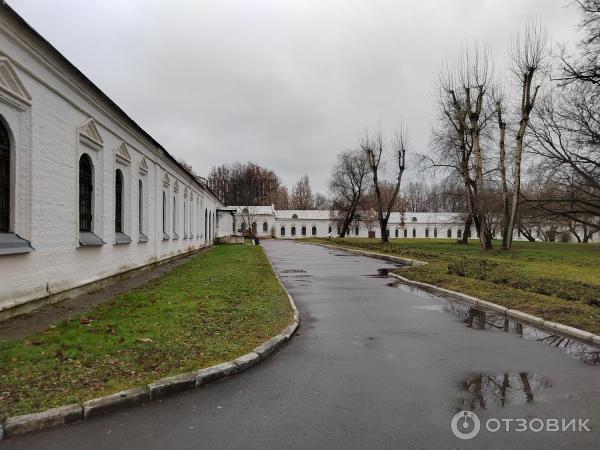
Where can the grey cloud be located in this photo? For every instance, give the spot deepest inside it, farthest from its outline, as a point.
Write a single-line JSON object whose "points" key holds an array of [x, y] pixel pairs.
{"points": [[287, 84]]}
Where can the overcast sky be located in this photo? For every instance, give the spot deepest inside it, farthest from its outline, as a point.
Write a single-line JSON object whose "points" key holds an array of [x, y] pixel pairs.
{"points": [[286, 84]]}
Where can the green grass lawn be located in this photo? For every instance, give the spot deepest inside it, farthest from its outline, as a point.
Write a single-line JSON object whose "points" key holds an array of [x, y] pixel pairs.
{"points": [[557, 281], [214, 308]]}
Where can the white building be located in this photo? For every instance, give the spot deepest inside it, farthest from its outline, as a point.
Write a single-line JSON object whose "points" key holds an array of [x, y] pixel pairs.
{"points": [[296, 224], [266, 221], [85, 193]]}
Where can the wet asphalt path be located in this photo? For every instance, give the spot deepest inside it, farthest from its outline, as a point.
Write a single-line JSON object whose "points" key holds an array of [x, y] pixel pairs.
{"points": [[372, 366]]}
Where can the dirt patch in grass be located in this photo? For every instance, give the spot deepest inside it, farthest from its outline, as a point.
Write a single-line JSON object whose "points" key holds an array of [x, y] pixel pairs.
{"points": [[556, 281], [214, 308]]}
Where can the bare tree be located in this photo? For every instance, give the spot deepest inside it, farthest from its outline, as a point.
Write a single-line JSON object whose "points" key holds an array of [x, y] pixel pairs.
{"points": [[529, 54], [585, 67], [302, 197], [463, 89], [248, 223], [499, 103], [280, 198], [373, 148], [320, 201], [566, 148], [348, 182], [244, 184]]}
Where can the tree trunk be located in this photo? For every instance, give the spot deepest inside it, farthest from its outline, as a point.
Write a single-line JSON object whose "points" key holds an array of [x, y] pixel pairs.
{"points": [[527, 102], [384, 234], [517, 183], [527, 234], [465, 236], [502, 168]]}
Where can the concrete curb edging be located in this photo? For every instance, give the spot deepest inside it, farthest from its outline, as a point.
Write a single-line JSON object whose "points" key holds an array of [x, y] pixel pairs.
{"points": [[546, 325], [27, 423], [383, 256]]}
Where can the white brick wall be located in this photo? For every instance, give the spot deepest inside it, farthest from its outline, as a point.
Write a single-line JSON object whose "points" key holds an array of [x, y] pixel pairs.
{"points": [[46, 151]]}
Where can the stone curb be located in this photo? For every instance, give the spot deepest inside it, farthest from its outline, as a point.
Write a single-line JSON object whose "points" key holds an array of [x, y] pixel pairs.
{"points": [[28, 423], [246, 361], [18, 425], [384, 256], [113, 402], [172, 385], [547, 325], [215, 373]]}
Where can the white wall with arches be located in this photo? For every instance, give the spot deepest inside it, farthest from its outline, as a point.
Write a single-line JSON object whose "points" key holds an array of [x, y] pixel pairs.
{"points": [[54, 119]]}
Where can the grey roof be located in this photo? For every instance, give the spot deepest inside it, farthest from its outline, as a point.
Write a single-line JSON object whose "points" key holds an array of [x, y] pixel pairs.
{"points": [[304, 214], [256, 210], [427, 217]]}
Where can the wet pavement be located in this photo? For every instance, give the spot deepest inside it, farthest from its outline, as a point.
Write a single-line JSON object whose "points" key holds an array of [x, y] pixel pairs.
{"points": [[375, 364]]}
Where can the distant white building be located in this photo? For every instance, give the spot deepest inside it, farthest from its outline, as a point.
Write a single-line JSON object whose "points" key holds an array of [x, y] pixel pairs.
{"points": [[85, 192], [296, 224]]}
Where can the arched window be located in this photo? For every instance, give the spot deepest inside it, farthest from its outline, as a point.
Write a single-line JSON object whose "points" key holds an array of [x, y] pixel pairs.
{"points": [[293, 231], [356, 230], [414, 219], [265, 227], [140, 206], [405, 232], [164, 215], [254, 228], [245, 211], [185, 218], [303, 231], [205, 224], [282, 231], [295, 216], [435, 232], [459, 233], [396, 232], [329, 229], [449, 233], [210, 225], [118, 201], [314, 231], [414, 233], [426, 232], [243, 227], [4, 179], [174, 217], [86, 190]]}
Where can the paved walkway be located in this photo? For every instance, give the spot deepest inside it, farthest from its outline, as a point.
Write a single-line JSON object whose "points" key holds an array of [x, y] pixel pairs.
{"points": [[374, 365]]}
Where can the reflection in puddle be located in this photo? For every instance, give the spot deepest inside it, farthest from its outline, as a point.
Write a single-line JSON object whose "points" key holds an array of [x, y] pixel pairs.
{"points": [[483, 391], [384, 272], [431, 307], [483, 320]]}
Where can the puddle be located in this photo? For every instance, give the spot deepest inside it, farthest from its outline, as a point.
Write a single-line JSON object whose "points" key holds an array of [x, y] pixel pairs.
{"points": [[483, 320], [482, 391], [431, 307], [383, 272]]}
